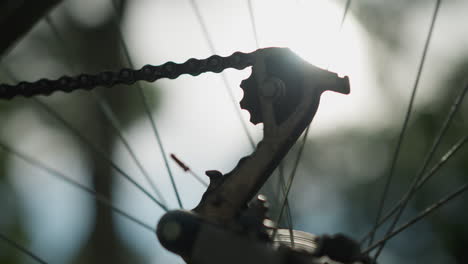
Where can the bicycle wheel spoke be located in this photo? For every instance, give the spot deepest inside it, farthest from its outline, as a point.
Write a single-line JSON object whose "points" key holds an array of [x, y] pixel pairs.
{"points": [[298, 158], [21, 248], [188, 170], [280, 166], [146, 105], [55, 31], [91, 146], [253, 24], [345, 14], [420, 178], [53, 172], [304, 139], [447, 156], [443, 160], [292, 176], [416, 219], [401, 136], [340, 28], [110, 115], [97, 151], [227, 86], [289, 221]]}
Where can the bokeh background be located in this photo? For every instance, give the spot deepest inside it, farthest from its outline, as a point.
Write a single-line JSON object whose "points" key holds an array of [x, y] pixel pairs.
{"points": [[346, 157]]}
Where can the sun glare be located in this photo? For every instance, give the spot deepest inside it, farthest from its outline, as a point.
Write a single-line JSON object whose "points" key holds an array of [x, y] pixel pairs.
{"points": [[196, 118]]}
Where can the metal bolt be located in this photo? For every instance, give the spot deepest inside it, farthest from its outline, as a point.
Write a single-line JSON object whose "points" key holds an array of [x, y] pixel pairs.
{"points": [[171, 231], [272, 87]]}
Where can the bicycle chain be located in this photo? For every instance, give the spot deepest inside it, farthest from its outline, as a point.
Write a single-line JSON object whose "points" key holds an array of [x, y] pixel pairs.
{"points": [[150, 73]]}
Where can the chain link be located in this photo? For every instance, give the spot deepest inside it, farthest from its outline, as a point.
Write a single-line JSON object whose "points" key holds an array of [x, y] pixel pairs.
{"points": [[150, 73]]}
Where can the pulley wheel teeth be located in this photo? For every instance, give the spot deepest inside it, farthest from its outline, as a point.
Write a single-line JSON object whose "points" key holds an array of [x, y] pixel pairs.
{"points": [[243, 83], [242, 104], [250, 100], [254, 120]]}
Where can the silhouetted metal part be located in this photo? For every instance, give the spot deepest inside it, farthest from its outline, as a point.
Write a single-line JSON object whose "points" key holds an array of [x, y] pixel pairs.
{"points": [[200, 242], [283, 93], [284, 82], [341, 248], [254, 220], [216, 177], [285, 102], [336, 249], [281, 74]]}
